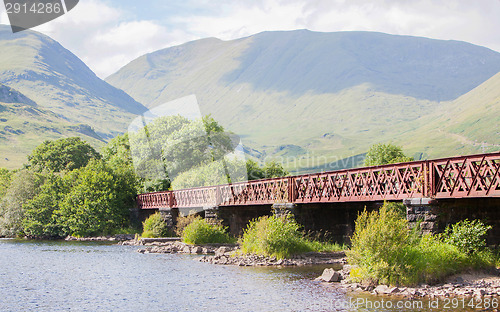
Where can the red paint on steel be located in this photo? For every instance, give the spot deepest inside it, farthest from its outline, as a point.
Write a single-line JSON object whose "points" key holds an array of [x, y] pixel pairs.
{"points": [[454, 177]]}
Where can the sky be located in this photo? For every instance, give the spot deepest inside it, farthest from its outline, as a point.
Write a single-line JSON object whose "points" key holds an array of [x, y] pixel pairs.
{"points": [[108, 34]]}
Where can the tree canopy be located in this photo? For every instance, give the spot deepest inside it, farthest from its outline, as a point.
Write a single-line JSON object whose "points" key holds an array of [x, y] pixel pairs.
{"points": [[62, 155], [383, 154]]}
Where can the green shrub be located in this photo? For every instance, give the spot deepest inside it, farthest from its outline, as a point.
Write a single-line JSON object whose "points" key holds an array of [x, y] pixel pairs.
{"points": [[468, 236], [274, 236], [183, 221], [386, 251], [200, 232], [154, 226]]}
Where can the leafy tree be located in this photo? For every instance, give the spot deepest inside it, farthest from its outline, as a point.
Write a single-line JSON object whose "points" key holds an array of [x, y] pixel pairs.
{"points": [[274, 170], [172, 145], [383, 154], [254, 171], [5, 178], [39, 220], [24, 186], [98, 201], [62, 155]]}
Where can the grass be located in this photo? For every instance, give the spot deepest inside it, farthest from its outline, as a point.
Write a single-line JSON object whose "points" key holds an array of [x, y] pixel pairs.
{"points": [[280, 237], [201, 232], [387, 252]]}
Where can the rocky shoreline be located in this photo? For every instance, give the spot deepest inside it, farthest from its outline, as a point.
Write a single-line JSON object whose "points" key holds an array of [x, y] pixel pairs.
{"points": [[228, 254], [482, 284], [113, 238], [478, 284]]}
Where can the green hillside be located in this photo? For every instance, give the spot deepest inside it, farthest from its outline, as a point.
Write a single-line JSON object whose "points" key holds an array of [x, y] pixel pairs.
{"points": [[311, 99], [24, 125], [57, 80]]}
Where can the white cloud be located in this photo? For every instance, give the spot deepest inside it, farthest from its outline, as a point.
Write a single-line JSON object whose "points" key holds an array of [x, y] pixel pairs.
{"points": [[107, 38], [104, 39]]}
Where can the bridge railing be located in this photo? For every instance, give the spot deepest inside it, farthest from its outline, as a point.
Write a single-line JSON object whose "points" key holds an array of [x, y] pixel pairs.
{"points": [[455, 177]]}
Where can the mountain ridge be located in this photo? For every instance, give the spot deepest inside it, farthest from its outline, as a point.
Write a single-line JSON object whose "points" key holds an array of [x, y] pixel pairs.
{"points": [[53, 77]]}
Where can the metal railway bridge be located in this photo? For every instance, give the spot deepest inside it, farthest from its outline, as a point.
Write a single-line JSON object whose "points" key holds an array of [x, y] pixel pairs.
{"points": [[470, 176], [435, 192]]}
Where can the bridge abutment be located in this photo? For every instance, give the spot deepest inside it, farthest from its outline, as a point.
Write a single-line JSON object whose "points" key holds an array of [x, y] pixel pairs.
{"points": [[170, 215], [423, 212]]}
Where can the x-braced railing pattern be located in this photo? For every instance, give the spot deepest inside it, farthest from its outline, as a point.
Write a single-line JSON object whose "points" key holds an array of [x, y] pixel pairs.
{"points": [[456, 177]]}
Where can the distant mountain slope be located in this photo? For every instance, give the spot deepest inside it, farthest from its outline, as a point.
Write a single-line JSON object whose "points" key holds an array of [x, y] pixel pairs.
{"points": [[469, 124], [303, 61], [56, 79], [316, 97], [24, 125]]}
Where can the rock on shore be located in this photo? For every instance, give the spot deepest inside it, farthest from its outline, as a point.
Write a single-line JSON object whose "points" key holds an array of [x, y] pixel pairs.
{"points": [[117, 238], [472, 284], [228, 254]]}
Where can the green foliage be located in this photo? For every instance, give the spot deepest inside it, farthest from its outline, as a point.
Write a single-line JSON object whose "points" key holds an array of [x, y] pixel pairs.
{"points": [[386, 251], [5, 178], [398, 207], [274, 236], [155, 226], [98, 201], [183, 221], [217, 172], [24, 186], [62, 155], [201, 232], [274, 170], [254, 171], [39, 219], [468, 236], [383, 154], [270, 170]]}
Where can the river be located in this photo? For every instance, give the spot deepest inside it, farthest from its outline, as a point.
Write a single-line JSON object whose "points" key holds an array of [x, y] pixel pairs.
{"points": [[79, 276]]}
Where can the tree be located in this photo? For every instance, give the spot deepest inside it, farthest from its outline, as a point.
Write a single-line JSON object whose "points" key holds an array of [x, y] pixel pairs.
{"points": [[5, 178], [62, 155], [98, 202], [254, 171], [24, 186], [383, 154], [40, 219], [273, 169]]}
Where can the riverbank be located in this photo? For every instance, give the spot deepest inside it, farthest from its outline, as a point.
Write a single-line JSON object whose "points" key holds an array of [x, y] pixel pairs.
{"points": [[478, 284], [473, 284], [109, 238], [226, 254]]}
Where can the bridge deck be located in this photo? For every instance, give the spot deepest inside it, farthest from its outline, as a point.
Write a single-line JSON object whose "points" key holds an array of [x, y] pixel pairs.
{"points": [[455, 177]]}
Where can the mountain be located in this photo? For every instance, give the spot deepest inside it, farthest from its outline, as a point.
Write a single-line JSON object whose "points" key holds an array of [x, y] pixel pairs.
{"points": [[312, 99], [24, 125], [468, 124], [54, 78]]}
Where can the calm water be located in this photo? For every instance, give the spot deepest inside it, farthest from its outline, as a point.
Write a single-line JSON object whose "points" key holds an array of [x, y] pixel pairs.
{"points": [[73, 276]]}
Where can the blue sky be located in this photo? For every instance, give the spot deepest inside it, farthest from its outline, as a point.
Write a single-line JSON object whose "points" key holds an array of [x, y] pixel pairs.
{"points": [[107, 34]]}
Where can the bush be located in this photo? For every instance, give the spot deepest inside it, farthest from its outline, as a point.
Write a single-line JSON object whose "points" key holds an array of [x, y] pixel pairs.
{"points": [[468, 236], [274, 236], [386, 251], [200, 232], [155, 226], [183, 221]]}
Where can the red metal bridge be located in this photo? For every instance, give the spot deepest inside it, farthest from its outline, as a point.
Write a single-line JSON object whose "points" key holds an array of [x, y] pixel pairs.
{"points": [[456, 177]]}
